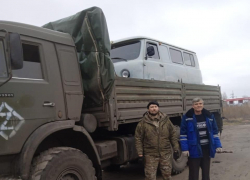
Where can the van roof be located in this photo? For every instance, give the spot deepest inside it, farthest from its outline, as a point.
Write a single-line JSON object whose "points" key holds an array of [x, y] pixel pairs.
{"points": [[37, 32], [144, 37]]}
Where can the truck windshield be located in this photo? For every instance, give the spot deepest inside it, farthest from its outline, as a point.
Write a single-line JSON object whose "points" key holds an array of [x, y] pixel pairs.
{"points": [[3, 67], [125, 51]]}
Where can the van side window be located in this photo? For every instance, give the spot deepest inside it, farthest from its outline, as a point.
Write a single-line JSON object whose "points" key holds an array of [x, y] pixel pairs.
{"points": [[3, 67], [189, 59], [32, 68], [164, 53], [176, 56], [156, 55]]}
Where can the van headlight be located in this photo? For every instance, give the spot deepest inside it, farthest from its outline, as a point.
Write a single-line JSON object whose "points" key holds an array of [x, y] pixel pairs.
{"points": [[125, 73]]}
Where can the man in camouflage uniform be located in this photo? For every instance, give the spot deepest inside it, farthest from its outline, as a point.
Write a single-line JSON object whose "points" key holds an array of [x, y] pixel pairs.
{"points": [[154, 136]]}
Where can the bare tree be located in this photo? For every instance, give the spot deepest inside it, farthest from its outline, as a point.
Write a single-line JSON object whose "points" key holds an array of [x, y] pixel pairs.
{"points": [[224, 96]]}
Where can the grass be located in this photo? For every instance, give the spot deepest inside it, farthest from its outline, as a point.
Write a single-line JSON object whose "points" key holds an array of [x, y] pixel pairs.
{"points": [[236, 114]]}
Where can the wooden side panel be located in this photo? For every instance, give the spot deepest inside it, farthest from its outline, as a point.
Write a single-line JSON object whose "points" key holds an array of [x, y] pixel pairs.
{"points": [[133, 95], [130, 97], [210, 94]]}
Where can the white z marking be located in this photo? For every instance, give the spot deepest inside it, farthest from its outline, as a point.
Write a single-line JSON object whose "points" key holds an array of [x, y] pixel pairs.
{"points": [[12, 121]]}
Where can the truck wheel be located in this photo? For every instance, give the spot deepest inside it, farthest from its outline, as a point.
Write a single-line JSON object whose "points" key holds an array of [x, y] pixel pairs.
{"points": [[179, 165], [62, 163]]}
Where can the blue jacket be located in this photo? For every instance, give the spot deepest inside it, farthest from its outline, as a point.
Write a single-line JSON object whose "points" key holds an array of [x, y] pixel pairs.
{"points": [[189, 135]]}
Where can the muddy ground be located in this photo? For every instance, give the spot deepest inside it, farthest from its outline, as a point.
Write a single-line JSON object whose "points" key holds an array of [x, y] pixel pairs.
{"points": [[235, 166]]}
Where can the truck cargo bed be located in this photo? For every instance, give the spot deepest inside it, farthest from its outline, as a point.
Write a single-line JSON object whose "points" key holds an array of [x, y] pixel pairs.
{"points": [[130, 97]]}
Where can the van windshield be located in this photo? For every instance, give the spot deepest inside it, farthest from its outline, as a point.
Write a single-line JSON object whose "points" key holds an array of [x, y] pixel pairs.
{"points": [[3, 67], [125, 51]]}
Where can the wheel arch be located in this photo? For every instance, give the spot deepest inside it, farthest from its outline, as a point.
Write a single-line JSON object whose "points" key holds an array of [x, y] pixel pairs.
{"points": [[53, 134]]}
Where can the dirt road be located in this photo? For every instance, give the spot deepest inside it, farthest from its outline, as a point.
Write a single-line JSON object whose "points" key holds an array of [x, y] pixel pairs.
{"points": [[235, 166]]}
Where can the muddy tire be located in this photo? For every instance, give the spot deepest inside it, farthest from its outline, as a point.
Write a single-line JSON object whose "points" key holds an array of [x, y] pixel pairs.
{"points": [[179, 165], [62, 163]]}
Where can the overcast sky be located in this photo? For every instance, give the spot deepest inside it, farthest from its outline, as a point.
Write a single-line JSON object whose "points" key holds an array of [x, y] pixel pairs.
{"points": [[217, 30]]}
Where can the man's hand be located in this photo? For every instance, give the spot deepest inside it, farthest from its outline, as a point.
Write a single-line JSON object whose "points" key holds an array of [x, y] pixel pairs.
{"points": [[140, 155], [176, 155], [219, 150], [185, 153]]}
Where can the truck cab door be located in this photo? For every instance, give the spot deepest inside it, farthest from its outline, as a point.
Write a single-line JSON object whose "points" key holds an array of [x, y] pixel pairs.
{"points": [[153, 66], [34, 95], [3, 63]]}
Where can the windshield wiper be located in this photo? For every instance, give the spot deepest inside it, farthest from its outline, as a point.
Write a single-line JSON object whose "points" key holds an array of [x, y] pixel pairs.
{"points": [[119, 58]]}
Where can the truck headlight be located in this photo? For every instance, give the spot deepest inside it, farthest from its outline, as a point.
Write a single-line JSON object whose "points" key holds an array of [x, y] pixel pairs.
{"points": [[125, 73]]}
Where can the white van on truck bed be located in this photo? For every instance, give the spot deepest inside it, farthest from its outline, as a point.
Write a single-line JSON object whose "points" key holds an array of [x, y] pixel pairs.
{"points": [[132, 58]]}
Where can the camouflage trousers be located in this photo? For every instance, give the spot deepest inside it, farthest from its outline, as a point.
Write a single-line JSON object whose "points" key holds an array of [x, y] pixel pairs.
{"points": [[151, 166]]}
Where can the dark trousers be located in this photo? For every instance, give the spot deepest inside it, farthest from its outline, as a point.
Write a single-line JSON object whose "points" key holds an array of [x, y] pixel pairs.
{"points": [[195, 164]]}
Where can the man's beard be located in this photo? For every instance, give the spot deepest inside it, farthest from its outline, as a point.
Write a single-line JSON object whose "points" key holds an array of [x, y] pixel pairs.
{"points": [[153, 114]]}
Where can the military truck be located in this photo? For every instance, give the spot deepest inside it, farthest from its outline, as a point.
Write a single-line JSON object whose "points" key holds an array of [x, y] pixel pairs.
{"points": [[63, 112]]}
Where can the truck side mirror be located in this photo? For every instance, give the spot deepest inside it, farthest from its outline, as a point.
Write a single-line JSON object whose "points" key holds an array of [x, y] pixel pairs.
{"points": [[150, 51], [16, 51]]}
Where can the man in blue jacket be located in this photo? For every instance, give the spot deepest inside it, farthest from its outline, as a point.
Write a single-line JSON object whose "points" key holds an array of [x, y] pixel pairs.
{"points": [[199, 139]]}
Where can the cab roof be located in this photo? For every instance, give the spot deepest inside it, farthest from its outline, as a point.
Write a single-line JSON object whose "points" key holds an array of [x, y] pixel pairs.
{"points": [[148, 38], [37, 32]]}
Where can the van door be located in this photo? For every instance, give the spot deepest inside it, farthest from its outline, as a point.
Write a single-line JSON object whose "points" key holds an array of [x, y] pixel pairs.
{"points": [[170, 72], [192, 66], [174, 67], [34, 95], [153, 66]]}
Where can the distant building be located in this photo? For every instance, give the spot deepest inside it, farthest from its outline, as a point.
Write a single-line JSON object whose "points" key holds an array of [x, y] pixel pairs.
{"points": [[237, 100]]}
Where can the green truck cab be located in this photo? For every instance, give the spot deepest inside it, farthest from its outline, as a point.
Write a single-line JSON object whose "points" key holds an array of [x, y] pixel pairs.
{"points": [[48, 131]]}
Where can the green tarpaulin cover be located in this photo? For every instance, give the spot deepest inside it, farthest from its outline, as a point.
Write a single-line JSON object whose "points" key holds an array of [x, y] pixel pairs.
{"points": [[90, 34]]}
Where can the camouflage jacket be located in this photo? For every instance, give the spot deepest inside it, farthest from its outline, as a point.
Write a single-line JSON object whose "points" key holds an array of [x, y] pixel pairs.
{"points": [[150, 140]]}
